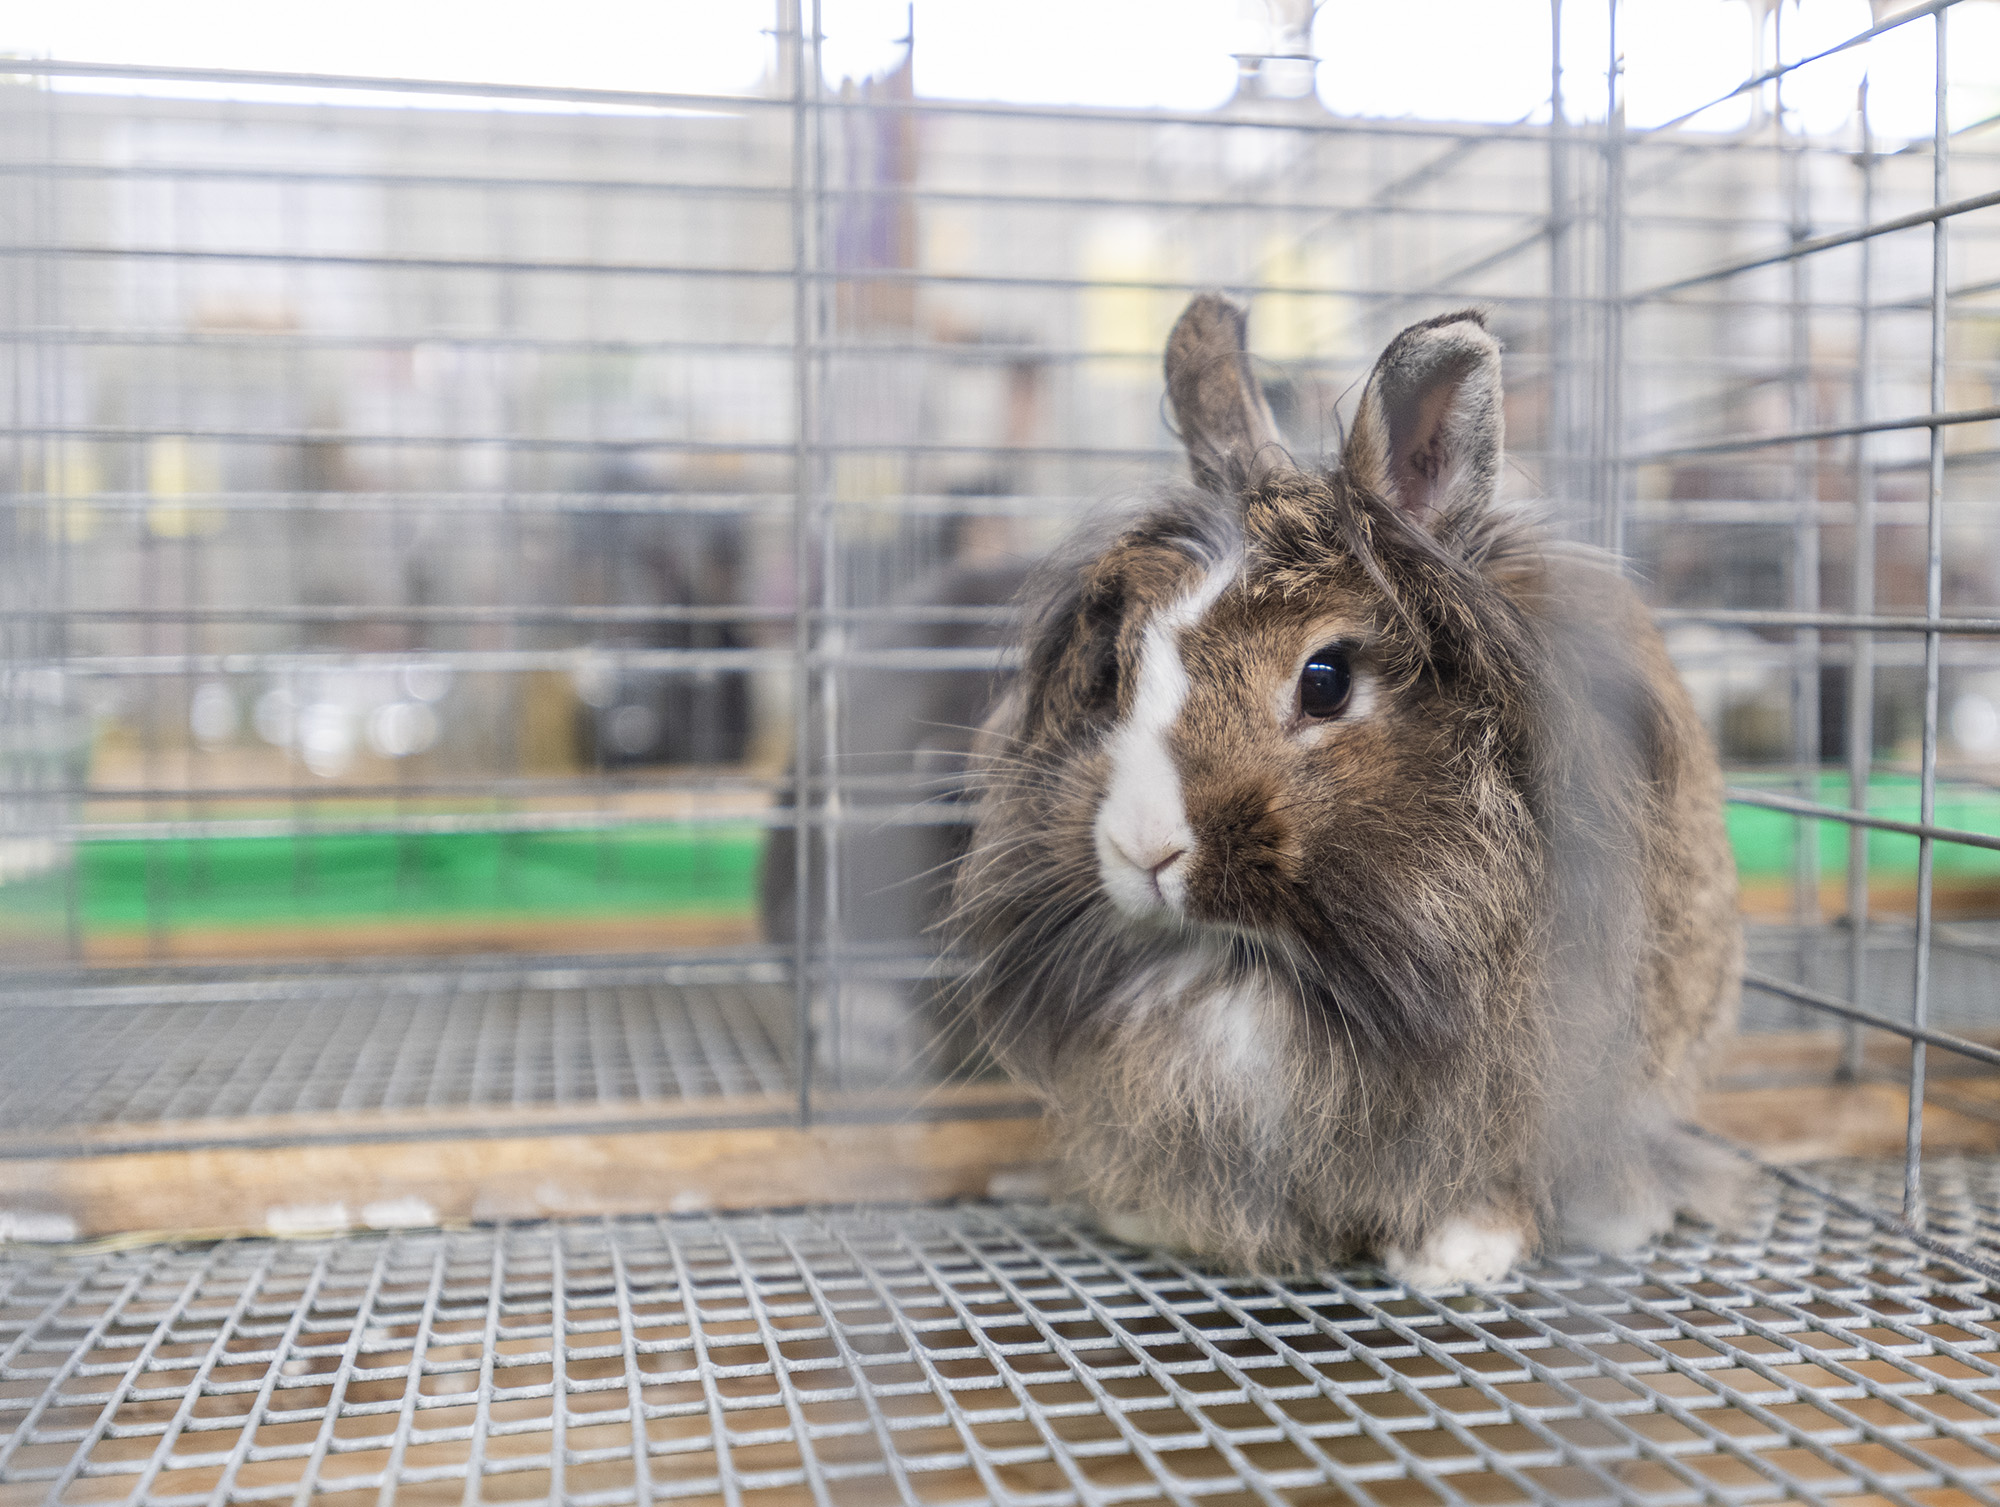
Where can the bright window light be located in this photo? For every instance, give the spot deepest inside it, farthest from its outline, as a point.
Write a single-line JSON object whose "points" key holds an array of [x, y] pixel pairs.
{"points": [[1683, 54], [1820, 97], [693, 46], [1136, 54], [1435, 59], [1445, 60], [1902, 72]]}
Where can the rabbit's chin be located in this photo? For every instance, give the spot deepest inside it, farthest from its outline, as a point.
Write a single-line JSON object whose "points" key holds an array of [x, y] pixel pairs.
{"points": [[1208, 938]]}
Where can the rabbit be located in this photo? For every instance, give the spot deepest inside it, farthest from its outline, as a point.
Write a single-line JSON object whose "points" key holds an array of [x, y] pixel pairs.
{"points": [[1349, 875]]}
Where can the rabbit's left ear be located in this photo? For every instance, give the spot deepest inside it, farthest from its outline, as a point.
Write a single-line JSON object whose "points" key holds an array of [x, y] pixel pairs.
{"points": [[1428, 431], [1224, 421]]}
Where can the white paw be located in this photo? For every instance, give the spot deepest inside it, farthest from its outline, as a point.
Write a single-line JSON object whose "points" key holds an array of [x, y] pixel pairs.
{"points": [[1476, 1249], [1134, 1227]]}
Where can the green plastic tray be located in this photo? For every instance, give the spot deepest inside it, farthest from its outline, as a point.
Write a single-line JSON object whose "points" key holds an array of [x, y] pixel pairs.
{"points": [[712, 870]]}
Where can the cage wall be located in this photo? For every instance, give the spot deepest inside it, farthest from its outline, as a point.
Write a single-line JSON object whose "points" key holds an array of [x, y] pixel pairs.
{"points": [[446, 519], [460, 538]]}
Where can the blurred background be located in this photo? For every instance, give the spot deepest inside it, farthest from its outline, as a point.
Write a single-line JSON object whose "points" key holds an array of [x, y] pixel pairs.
{"points": [[459, 463]]}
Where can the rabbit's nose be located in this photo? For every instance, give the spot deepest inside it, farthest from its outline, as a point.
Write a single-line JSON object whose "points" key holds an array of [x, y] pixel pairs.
{"points": [[1154, 860], [1143, 875], [1160, 864]]}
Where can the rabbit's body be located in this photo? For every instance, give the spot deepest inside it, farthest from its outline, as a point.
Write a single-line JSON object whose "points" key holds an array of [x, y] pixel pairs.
{"points": [[1426, 976]]}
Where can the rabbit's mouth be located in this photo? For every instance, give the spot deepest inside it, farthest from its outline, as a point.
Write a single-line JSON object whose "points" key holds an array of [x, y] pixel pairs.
{"points": [[1182, 916]]}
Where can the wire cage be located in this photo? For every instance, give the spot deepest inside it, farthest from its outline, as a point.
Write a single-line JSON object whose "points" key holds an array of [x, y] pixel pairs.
{"points": [[498, 582]]}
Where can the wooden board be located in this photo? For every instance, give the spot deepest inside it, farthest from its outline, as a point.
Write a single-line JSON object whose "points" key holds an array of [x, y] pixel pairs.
{"points": [[1812, 1122], [302, 1189], [427, 936], [311, 1173], [1779, 1093]]}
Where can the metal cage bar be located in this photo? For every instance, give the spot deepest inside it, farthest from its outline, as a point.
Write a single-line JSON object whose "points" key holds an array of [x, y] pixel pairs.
{"points": [[1003, 1354], [1565, 260], [1867, 617], [1586, 294]]}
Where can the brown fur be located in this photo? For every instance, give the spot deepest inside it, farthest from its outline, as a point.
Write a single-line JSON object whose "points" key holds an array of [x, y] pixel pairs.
{"points": [[1477, 938]]}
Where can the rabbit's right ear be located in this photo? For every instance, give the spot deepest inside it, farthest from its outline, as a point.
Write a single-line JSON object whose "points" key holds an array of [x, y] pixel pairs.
{"points": [[1428, 431], [1224, 420]]}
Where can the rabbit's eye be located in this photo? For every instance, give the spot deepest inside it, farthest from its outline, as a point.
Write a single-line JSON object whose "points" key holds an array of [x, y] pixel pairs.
{"points": [[1326, 683]]}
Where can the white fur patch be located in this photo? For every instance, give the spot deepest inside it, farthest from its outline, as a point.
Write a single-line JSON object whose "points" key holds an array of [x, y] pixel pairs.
{"points": [[1480, 1249], [1212, 1043], [1144, 843], [1164, 985], [1228, 1036], [1236, 1025]]}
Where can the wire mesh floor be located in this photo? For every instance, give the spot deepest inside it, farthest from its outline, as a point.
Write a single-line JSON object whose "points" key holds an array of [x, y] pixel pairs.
{"points": [[402, 1042], [993, 1352]]}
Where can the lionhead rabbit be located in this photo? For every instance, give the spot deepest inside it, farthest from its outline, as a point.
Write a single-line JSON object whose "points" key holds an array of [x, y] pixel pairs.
{"points": [[1350, 875]]}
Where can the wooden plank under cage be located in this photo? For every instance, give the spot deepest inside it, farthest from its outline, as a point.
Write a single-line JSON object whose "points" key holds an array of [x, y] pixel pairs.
{"points": [[313, 1172]]}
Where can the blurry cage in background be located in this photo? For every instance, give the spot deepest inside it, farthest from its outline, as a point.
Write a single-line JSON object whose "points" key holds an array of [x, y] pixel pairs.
{"points": [[461, 536], [444, 532]]}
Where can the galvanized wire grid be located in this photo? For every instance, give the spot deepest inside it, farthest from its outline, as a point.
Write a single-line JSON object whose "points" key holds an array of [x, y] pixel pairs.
{"points": [[362, 1045], [1002, 1353], [1806, 615], [133, 1053], [976, 1353]]}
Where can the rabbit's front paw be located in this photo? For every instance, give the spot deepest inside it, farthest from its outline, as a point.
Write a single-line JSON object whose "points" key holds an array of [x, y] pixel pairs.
{"points": [[1476, 1248]]}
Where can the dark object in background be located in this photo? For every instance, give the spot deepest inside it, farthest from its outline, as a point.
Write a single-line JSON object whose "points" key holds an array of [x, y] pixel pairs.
{"points": [[698, 715], [905, 741]]}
